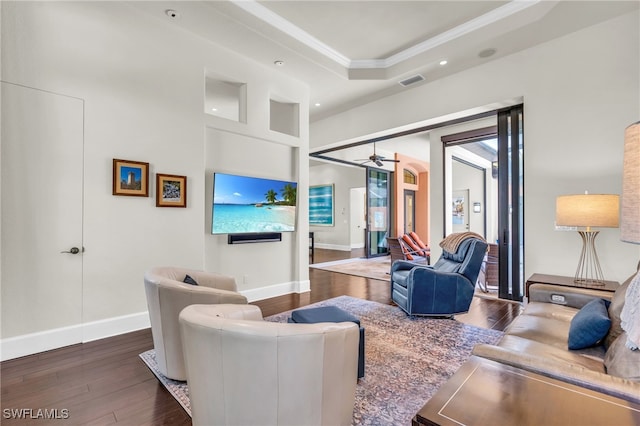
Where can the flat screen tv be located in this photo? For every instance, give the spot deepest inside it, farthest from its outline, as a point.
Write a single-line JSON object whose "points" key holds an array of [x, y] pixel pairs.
{"points": [[244, 204]]}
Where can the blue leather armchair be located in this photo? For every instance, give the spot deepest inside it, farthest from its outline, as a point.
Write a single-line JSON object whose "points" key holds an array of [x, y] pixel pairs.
{"points": [[444, 289]]}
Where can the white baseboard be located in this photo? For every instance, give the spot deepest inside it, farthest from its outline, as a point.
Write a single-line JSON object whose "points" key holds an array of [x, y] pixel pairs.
{"points": [[276, 290], [113, 326], [32, 343], [28, 344], [332, 247]]}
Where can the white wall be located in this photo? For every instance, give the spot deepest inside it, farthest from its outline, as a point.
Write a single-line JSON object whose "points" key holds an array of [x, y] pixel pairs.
{"points": [[263, 269], [579, 91], [337, 237], [142, 81]]}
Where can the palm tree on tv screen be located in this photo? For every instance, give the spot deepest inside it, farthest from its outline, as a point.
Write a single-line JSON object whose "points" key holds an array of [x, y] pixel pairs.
{"points": [[271, 196], [289, 194]]}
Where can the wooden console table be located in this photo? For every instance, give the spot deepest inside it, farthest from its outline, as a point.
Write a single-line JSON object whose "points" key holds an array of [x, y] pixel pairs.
{"points": [[567, 282], [484, 392]]}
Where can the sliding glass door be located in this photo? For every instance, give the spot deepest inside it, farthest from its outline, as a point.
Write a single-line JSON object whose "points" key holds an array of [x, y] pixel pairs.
{"points": [[484, 193], [511, 201], [378, 220]]}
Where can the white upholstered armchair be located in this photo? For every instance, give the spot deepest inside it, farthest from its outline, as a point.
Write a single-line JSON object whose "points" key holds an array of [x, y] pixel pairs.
{"points": [[242, 370], [167, 295]]}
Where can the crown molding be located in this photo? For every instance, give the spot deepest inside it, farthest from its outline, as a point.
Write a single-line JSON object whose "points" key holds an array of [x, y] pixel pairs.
{"points": [[277, 21], [287, 27]]}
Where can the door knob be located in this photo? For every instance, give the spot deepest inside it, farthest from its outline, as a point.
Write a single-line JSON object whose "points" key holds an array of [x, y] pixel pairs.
{"points": [[72, 250]]}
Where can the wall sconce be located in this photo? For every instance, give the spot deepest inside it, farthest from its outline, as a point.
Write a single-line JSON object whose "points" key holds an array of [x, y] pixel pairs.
{"points": [[477, 207]]}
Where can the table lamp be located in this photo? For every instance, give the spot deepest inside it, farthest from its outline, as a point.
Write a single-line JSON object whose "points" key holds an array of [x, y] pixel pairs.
{"points": [[588, 211]]}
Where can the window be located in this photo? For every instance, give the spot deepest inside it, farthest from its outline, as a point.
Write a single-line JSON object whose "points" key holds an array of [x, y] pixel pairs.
{"points": [[410, 177]]}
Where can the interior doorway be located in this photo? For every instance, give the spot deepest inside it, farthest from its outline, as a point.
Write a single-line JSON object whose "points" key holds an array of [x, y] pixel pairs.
{"points": [[484, 193], [42, 251], [409, 211], [498, 215], [358, 223]]}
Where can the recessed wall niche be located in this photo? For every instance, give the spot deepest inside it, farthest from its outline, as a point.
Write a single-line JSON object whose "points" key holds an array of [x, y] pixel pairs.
{"points": [[226, 99], [284, 117]]}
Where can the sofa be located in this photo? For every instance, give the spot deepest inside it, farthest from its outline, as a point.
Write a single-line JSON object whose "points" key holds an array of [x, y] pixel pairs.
{"points": [[539, 339]]}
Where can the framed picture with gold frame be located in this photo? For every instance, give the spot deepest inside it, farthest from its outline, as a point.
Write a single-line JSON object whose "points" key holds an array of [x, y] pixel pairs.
{"points": [[130, 178], [171, 190]]}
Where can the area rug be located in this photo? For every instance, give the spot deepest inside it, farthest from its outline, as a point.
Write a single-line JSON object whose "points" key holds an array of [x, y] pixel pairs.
{"points": [[406, 360], [376, 268]]}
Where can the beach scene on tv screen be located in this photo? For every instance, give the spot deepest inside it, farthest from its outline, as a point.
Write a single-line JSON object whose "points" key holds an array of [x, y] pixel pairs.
{"points": [[244, 204]]}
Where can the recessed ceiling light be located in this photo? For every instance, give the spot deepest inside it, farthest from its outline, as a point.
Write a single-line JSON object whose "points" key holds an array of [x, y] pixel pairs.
{"points": [[278, 63], [214, 109], [443, 62], [487, 52], [173, 14], [317, 104]]}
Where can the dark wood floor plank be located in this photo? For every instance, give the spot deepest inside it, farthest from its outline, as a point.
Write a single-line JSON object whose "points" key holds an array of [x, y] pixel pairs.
{"points": [[104, 382], [52, 360], [106, 420], [160, 408], [89, 408]]}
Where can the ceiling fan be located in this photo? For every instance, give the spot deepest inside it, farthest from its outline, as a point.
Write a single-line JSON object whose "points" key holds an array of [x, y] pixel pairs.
{"points": [[377, 159]]}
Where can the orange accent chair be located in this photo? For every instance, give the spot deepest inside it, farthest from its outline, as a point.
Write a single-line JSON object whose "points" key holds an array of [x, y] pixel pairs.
{"points": [[399, 249]]}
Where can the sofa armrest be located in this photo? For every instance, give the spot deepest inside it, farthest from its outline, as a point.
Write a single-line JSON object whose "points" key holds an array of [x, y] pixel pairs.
{"points": [[564, 371], [573, 297], [405, 265]]}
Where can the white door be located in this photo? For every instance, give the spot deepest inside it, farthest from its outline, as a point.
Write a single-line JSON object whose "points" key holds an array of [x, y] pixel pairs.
{"points": [[460, 210], [357, 205], [42, 175]]}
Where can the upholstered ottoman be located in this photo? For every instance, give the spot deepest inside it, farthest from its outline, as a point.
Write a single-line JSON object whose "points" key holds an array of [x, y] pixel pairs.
{"points": [[331, 314]]}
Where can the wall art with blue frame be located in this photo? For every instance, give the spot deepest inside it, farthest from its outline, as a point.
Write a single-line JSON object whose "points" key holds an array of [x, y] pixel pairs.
{"points": [[321, 205]]}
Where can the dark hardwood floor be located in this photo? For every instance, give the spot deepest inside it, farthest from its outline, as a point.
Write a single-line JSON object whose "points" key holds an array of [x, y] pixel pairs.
{"points": [[104, 382]]}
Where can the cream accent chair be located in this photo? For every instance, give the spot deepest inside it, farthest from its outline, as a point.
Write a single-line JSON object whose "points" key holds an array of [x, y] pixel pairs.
{"points": [[245, 371], [167, 295]]}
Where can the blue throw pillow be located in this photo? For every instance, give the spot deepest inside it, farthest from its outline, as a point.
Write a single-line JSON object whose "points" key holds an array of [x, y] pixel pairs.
{"points": [[589, 325], [189, 280]]}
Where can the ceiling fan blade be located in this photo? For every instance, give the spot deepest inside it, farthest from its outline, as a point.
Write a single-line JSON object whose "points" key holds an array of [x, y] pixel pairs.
{"points": [[376, 159]]}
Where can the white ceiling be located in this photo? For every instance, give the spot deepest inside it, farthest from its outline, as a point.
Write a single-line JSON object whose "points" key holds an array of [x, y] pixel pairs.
{"points": [[354, 52]]}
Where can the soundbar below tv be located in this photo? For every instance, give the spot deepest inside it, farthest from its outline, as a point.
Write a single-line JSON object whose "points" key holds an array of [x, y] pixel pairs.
{"points": [[251, 205], [258, 237]]}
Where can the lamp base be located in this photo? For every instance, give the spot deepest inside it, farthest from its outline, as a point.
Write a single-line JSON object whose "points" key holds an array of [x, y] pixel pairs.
{"points": [[589, 272], [587, 282]]}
